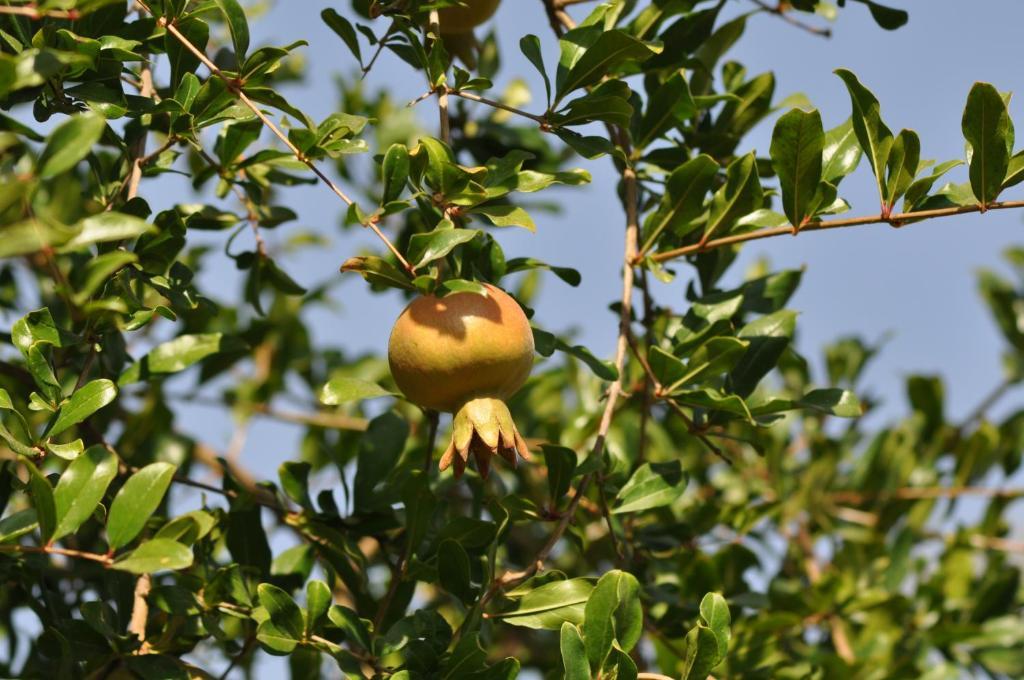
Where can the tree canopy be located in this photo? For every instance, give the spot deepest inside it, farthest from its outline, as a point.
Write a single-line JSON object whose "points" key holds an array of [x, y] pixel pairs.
{"points": [[701, 503]]}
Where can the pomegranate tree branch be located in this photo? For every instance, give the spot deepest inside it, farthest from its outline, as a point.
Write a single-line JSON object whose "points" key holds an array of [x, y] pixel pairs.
{"points": [[32, 12], [894, 220], [781, 10], [442, 92], [541, 120], [924, 493], [105, 560], [235, 88]]}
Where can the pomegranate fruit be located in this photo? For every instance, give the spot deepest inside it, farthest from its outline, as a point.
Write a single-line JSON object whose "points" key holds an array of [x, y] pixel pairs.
{"points": [[465, 354], [464, 18]]}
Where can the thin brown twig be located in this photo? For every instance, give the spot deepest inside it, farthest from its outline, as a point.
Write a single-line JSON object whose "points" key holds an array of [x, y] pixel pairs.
{"points": [[782, 12], [442, 92], [236, 88], [32, 12], [105, 560], [895, 220], [541, 120]]}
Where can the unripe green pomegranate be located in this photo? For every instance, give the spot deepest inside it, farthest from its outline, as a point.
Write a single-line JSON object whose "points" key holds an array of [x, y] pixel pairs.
{"points": [[466, 354], [464, 18]]}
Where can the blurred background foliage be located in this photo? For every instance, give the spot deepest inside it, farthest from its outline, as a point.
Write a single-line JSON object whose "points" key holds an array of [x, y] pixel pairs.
{"points": [[702, 503]]}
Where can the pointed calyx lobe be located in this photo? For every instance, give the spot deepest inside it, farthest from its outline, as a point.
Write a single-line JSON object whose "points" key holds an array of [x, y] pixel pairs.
{"points": [[465, 354]]}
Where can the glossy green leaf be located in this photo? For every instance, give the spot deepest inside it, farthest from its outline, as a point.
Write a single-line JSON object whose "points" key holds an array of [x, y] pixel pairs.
{"points": [[395, 170], [426, 248], [612, 616], [741, 194], [234, 16], [178, 354], [16, 525], [841, 153], [159, 554], [669, 106], [550, 605], [574, 654], [105, 227], [714, 611], [81, 488], [91, 397], [796, 152], [874, 137], [561, 465], [609, 51], [506, 216], [685, 191], [701, 653], [318, 602], [652, 485], [344, 389], [69, 143], [529, 45], [41, 492], [989, 131], [136, 502]]}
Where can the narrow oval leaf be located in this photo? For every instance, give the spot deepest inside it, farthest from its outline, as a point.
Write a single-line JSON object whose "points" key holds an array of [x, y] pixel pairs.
{"points": [[988, 129], [160, 554], [137, 500], [237, 26], [284, 613], [796, 152], [90, 398], [70, 142], [550, 605], [41, 492], [178, 354], [81, 488], [872, 134], [652, 485], [574, 654]]}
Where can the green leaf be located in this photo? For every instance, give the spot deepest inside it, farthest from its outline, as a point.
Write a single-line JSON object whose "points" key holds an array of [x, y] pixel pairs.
{"points": [[529, 45], [105, 227], [841, 154], [669, 105], [988, 129], [90, 398], [69, 143], [874, 137], [842, 403], [561, 464], [426, 248], [918, 191], [135, 503], [318, 602], [612, 615], [453, 569], [701, 653], [343, 27], [42, 500], [651, 486], [550, 605], [609, 51], [16, 525], [178, 354], [379, 450], [741, 194], [284, 613], [502, 215], [902, 166], [516, 264], [715, 612], [378, 271], [355, 629], [237, 26], [395, 170], [888, 18], [343, 389], [81, 488], [574, 654], [769, 337], [159, 554], [683, 201], [546, 343], [796, 152]]}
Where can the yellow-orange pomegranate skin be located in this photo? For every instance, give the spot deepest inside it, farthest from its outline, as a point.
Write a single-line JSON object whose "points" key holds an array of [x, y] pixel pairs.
{"points": [[463, 19], [447, 351]]}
